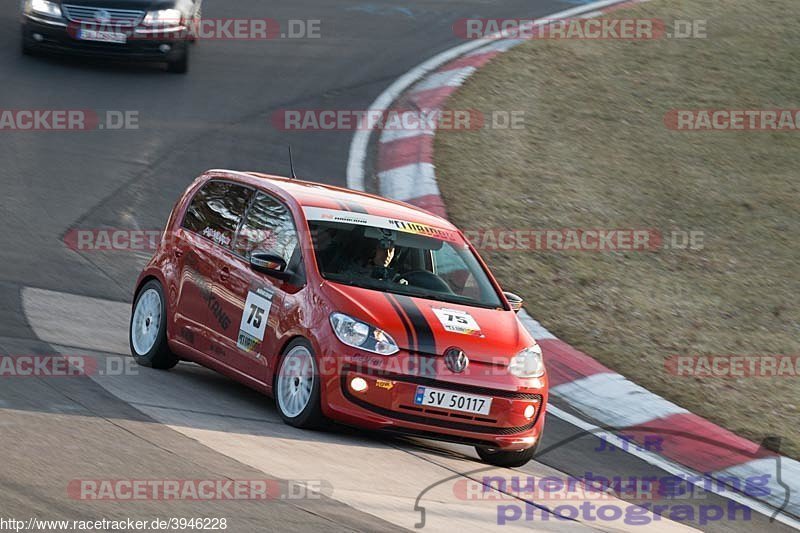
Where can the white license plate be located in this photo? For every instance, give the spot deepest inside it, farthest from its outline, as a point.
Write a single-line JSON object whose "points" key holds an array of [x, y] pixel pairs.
{"points": [[102, 36], [454, 401]]}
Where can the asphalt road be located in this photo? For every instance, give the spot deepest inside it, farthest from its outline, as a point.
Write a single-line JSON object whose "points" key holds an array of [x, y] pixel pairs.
{"points": [[190, 423]]}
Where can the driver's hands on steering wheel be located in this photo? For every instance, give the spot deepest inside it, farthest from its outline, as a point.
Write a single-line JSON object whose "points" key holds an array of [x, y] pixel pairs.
{"points": [[399, 279]]}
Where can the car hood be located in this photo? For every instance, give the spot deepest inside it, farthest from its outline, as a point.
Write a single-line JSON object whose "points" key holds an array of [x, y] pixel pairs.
{"points": [[145, 5], [431, 327]]}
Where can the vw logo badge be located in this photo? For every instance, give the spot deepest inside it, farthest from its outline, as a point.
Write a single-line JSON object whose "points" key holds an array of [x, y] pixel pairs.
{"points": [[456, 360], [103, 16]]}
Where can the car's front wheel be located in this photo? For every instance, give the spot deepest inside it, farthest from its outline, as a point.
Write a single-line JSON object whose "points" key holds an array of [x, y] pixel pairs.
{"points": [[148, 329], [297, 387], [506, 459]]}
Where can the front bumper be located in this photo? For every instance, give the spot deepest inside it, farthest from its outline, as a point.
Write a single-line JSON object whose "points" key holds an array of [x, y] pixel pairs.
{"points": [[58, 36], [388, 401]]}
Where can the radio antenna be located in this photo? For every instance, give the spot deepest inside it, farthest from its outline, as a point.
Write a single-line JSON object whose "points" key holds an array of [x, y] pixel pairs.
{"points": [[291, 163]]}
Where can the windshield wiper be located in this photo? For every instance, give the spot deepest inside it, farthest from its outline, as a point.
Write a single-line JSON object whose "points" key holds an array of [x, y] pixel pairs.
{"points": [[397, 288], [442, 297]]}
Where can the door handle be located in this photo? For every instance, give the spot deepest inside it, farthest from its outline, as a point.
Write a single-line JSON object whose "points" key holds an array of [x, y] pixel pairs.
{"points": [[178, 253], [224, 274]]}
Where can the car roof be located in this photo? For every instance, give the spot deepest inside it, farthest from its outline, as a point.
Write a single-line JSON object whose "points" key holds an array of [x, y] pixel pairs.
{"points": [[312, 194]]}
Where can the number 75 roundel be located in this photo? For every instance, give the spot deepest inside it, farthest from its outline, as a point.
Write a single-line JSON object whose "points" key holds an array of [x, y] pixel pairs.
{"points": [[254, 319]]}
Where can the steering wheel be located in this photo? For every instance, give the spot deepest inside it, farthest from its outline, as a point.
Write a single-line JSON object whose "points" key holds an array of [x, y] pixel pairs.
{"points": [[425, 280]]}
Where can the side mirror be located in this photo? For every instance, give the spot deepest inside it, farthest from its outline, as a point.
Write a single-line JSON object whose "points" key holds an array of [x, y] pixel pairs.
{"points": [[269, 263], [514, 301]]}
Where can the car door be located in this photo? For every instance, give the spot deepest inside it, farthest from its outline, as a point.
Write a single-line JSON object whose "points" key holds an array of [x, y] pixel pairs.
{"points": [[209, 228], [254, 298], [194, 261]]}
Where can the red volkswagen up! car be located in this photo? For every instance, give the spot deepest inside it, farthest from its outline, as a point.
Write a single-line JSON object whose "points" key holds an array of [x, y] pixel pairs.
{"points": [[345, 306]]}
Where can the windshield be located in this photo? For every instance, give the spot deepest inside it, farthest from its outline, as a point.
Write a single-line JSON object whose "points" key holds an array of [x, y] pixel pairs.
{"points": [[401, 262]]}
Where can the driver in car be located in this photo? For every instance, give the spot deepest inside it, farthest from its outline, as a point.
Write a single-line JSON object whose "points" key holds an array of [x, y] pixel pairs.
{"points": [[377, 266], [381, 259]]}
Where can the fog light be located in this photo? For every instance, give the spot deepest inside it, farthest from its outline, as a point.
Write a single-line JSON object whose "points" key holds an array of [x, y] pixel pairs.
{"points": [[37, 37], [358, 384], [530, 411], [165, 48]]}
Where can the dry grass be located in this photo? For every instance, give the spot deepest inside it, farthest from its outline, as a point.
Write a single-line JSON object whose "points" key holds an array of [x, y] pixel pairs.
{"points": [[595, 153]]}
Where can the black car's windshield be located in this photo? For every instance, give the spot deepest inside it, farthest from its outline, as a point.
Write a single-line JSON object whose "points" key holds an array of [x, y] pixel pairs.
{"points": [[413, 263]]}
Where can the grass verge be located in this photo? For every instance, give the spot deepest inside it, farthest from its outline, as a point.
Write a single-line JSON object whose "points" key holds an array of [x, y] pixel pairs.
{"points": [[595, 153]]}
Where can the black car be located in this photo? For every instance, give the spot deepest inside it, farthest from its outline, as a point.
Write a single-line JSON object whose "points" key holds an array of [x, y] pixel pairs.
{"points": [[147, 30]]}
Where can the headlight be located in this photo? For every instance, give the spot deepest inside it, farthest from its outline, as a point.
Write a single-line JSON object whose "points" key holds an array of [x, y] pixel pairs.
{"points": [[528, 363], [164, 18], [359, 334], [43, 7]]}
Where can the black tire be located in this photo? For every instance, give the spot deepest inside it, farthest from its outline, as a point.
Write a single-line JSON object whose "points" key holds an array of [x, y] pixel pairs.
{"points": [[311, 416], [507, 459], [180, 65], [159, 356], [25, 45]]}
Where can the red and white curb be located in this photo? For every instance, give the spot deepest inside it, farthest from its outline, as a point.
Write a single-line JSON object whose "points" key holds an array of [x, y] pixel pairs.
{"points": [[405, 170]]}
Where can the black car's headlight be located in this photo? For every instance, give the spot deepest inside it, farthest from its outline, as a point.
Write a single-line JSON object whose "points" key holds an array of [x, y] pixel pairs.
{"points": [[43, 7], [163, 18], [358, 334]]}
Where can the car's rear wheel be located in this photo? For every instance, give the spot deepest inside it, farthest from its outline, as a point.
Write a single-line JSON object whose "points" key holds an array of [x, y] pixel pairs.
{"points": [[148, 329], [507, 459], [297, 386]]}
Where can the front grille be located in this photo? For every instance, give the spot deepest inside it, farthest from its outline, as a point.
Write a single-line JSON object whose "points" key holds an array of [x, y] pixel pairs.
{"points": [[89, 15], [420, 418], [431, 382], [462, 416], [448, 424]]}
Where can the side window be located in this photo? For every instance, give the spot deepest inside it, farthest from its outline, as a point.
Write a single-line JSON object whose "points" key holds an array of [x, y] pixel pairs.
{"points": [[269, 227], [216, 210]]}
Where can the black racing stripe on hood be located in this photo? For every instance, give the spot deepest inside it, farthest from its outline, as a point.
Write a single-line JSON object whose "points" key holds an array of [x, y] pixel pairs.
{"points": [[426, 342], [404, 319]]}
